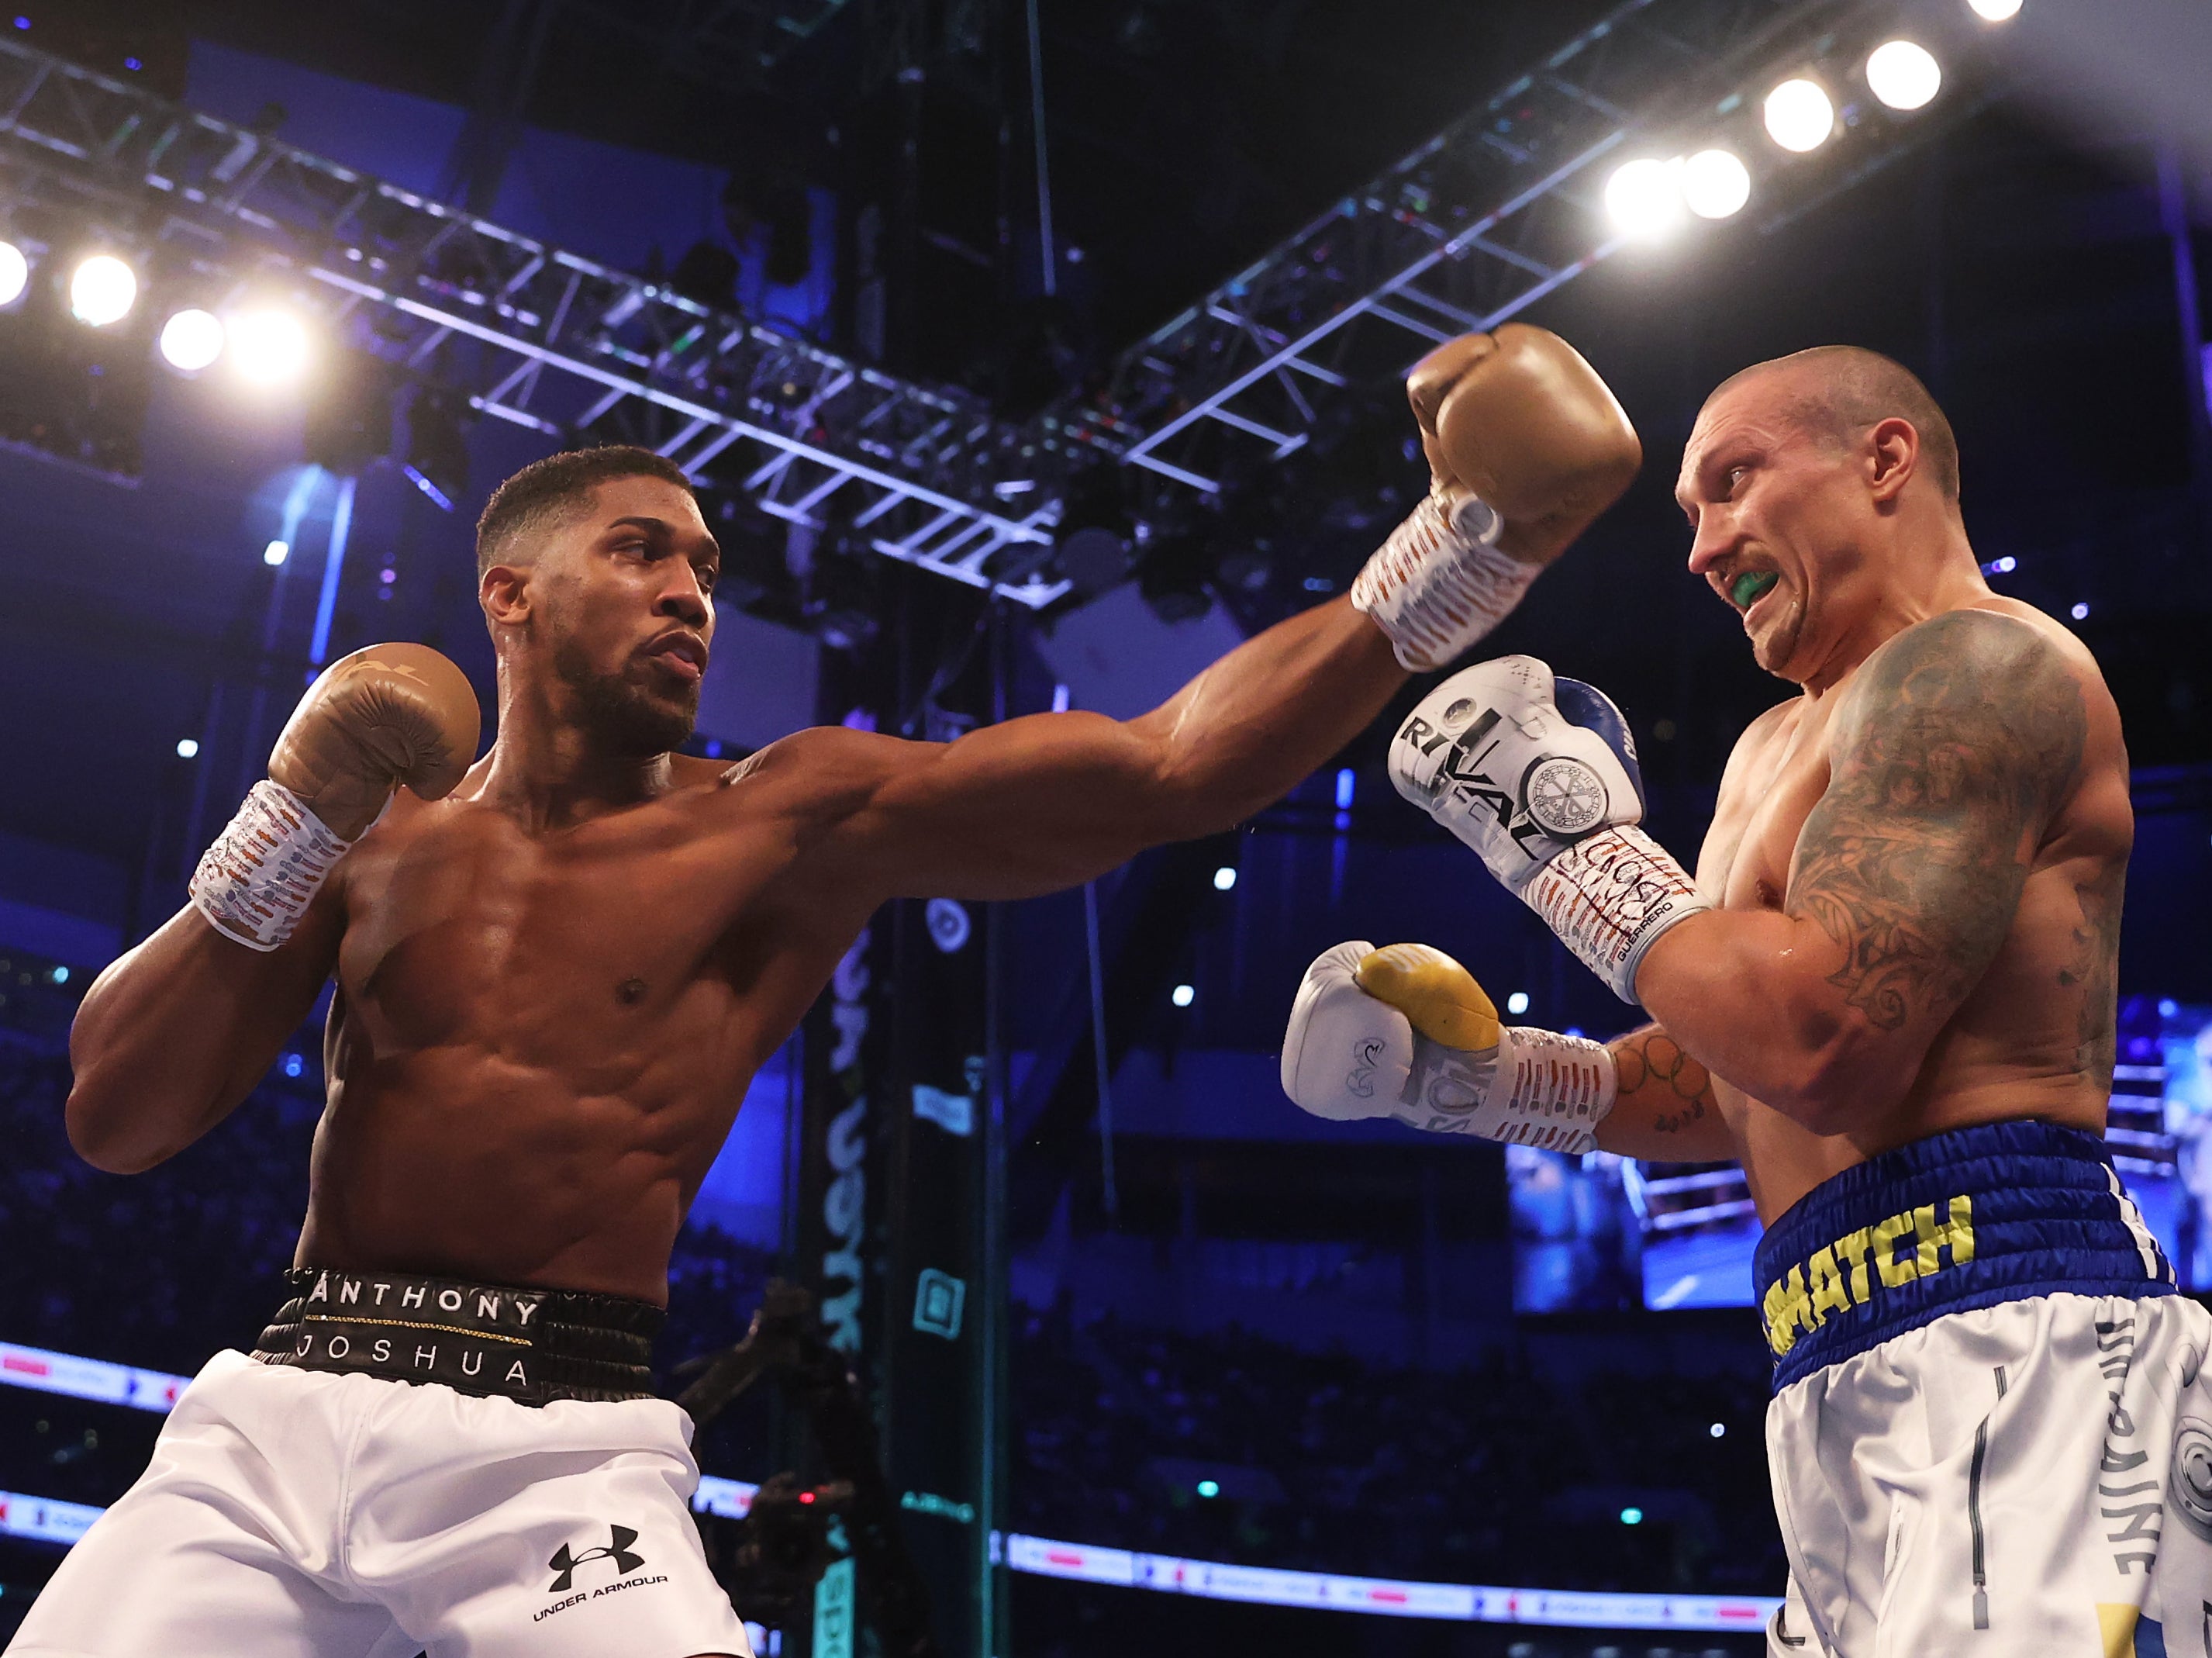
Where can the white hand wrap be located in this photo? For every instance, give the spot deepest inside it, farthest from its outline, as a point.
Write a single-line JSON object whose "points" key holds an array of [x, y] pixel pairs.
{"points": [[1609, 898], [1535, 1089], [1439, 584], [257, 880]]}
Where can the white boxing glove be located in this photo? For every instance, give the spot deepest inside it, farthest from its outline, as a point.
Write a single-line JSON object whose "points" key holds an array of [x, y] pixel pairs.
{"points": [[1407, 1032], [1538, 774]]}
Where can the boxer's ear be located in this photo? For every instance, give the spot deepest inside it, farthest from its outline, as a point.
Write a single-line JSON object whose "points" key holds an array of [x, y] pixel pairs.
{"points": [[1893, 458], [505, 594]]}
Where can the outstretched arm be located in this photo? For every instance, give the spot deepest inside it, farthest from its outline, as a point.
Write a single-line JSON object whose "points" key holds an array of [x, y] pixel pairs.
{"points": [[1049, 800], [1527, 447], [1953, 754]]}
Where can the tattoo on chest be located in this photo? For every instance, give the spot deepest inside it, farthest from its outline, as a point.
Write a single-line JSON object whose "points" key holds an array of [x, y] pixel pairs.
{"points": [[1947, 764]]}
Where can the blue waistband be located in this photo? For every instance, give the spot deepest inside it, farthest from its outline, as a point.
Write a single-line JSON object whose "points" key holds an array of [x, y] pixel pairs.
{"points": [[1956, 1222]]}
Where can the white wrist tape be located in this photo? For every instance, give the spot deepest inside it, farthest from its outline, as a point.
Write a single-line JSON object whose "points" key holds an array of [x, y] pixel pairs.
{"points": [[1439, 584], [1542, 1089], [1609, 897], [256, 881]]}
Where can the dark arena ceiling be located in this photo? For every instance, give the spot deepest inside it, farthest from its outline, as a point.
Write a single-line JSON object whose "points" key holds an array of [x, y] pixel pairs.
{"points": [[2027, 247]]}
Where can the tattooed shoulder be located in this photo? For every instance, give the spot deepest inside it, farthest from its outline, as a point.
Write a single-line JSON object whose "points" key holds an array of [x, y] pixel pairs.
{"points": [[1951, 753]]}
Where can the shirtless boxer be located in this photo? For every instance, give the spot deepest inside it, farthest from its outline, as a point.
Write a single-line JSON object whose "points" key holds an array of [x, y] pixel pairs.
{"points": [[553, 984], [1889, 993]]}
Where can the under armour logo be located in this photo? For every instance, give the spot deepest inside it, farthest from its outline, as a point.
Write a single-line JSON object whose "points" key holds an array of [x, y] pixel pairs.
{"points": [[617, 1550]]}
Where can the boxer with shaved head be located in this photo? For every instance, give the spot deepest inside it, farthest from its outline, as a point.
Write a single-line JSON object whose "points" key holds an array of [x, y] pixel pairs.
{"points": [[558, 966], [1888, 990]]}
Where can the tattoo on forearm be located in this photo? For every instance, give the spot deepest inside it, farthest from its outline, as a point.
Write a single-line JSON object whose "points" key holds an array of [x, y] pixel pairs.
{"points": [[1949, 759], [1678, 1090], [2095, 968]]}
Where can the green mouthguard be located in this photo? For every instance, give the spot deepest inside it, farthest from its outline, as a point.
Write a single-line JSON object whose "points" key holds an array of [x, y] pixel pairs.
{"points": [[1746, 587]]}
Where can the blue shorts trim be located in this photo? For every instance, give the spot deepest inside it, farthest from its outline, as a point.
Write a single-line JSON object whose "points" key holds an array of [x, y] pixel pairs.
{"points": [[1958, 1221]]}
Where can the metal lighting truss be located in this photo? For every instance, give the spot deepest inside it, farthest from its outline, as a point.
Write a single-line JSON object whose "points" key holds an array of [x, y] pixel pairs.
{"points": [[537, 336], [1473, 228]]}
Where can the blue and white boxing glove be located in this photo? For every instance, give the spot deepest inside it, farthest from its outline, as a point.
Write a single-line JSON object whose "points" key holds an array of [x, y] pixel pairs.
{"points": [[1539, 776]]}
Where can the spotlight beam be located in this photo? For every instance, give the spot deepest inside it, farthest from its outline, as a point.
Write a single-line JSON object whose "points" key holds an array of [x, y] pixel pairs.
{"points": [[1471, 228], [913, 464], [1480, 222]]}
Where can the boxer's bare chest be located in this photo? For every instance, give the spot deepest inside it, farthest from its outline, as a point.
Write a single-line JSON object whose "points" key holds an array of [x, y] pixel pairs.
{"points": [[657, 925], [1777, 777]]}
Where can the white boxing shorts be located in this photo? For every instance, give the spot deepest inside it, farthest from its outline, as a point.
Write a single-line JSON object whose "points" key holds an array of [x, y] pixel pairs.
{"points": [[1991, 1432], [299, 1505]]}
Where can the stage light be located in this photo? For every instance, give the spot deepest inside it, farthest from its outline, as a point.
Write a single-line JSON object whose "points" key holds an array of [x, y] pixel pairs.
{"points": [[1209, 1488], [275, 553], [1631, 1516], [188, 749], [102, 289], [15, 272], [2080, 613], [1718, 1430], [1345, 779], [191, 340], [1799, 116], [1644, 199], [1183, 996], [269, 347], [1903, 75], [1224, 879], [1996, 11], [1518, 1002], [1716, 184]]}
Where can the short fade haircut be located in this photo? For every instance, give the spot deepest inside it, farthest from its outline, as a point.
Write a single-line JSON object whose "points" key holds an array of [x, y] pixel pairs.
{"points": [[546, 491], [1857, 390]]}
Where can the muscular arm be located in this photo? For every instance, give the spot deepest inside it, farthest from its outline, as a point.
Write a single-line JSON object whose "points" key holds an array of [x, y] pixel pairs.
{"points": [[1952, 753], [172, 1036], [1045, 801], [1665, 1110]]}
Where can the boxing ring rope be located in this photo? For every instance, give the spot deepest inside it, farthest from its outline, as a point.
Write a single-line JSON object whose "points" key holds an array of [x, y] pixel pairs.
{"points": [[45, 1519]]}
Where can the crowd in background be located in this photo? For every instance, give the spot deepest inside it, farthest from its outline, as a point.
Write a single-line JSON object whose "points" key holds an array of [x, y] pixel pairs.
{"points": [[1224, 1445], [1322, 1462], [162, 1269]]}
